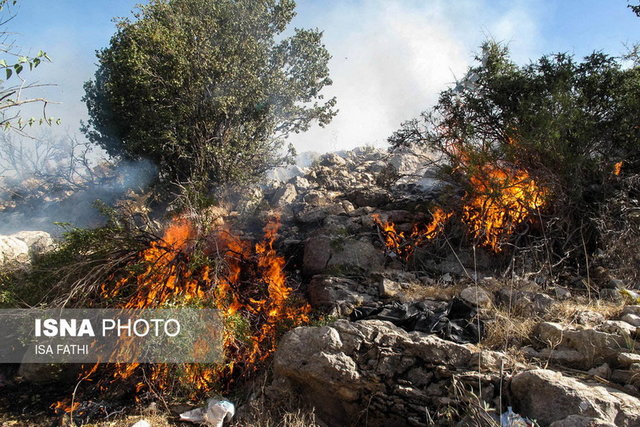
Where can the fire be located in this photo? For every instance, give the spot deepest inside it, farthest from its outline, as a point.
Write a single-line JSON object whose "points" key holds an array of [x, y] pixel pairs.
{"points": [[65, 406], [246, 282], [617, 168], [403, 245], [502, 199]]}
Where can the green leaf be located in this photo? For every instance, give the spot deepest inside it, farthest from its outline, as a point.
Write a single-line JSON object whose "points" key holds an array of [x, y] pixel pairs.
{"points": [[9, 72]]}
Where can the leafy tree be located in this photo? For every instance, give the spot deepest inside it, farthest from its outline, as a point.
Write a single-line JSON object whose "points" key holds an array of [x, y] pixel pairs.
{"points": [[568, 124], [12, 93], [207, 89]]}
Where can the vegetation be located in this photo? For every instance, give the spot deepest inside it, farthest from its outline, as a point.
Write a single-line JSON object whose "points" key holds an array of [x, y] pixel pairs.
{"points": [[206, 89], [569, 126], [12, 93]]}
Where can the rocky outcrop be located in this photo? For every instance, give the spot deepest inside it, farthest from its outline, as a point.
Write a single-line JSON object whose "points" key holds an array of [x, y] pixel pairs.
{"points": [[553, 399], [372, 372], [326, 254], [17, 250]]}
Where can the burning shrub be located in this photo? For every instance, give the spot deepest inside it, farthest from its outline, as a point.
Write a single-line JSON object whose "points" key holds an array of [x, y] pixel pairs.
{"points": [[541, 143], [209, 269]]}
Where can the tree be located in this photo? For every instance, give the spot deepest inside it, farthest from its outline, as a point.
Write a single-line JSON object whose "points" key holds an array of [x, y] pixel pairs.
{"points": [[12, 95], [571, 126], [207, 89]]}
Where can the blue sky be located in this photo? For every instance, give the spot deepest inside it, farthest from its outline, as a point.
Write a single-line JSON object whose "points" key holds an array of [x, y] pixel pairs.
{"points": [[390, 58]]}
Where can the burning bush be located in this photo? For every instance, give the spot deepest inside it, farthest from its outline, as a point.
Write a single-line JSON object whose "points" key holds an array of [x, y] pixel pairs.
{"points": [[188, 267], [541, 143]]}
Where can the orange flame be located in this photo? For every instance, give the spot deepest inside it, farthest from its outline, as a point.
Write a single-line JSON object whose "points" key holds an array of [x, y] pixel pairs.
{"points": [[404, 245], [503, 198], [65, 406], [617, 168], [251, 285]]}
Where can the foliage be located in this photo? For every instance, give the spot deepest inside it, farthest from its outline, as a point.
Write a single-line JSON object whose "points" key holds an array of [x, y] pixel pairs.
{"points": [[207, 89], [11, 94], [85, 258], [566, 123]]}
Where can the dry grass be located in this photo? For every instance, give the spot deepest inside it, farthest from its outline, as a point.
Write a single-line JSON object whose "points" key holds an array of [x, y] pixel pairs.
{"points": [[418, 291], [508, 331], [568, 311]]}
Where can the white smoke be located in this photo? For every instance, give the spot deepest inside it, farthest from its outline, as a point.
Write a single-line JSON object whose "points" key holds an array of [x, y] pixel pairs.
{"points": [[392, 58]]}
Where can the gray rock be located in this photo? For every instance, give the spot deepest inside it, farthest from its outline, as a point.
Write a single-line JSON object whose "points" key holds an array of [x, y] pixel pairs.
{"points": [[350, 368], [611, 295], [631, 319], [631, 309], [595, 346], [626, 359], [337, 296], [548, 396], [389, 288], [284, 195], [602, 371], [476, 296], [323, 254]]}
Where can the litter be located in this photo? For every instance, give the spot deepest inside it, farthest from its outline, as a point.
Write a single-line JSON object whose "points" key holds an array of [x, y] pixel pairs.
{"points": [[214, 414], [453, 321]]}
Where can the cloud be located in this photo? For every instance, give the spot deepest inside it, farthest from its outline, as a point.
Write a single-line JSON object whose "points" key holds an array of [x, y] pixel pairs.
{"points": [[392, 58]]}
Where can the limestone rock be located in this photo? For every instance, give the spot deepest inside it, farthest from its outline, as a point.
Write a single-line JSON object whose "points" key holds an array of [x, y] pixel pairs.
{"points": [[476, 296], [324, 254], [284, 195], [350, 368], [337, 296], [548, 396]]}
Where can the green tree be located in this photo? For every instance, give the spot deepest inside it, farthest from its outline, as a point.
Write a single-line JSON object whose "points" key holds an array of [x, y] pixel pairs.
{"points": [[568, 124], [208, 89]]}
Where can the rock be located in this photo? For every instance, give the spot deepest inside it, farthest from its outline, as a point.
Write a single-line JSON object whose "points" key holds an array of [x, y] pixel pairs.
{"points": [[323, 254], [337, 296], [562, 293], [142, 423], [595, 346], [590, 318], [389, 288], [602, 371], [476, 296], [631, 309], [14, 253], [617, 327], [369, 197], [615, 284], [318, 214], [301, 184], [611, 295], [39, 242], [548, 396], [580, 421], [351, 369], [626, 359], [332, 159], [284, 195], [631, 319]]}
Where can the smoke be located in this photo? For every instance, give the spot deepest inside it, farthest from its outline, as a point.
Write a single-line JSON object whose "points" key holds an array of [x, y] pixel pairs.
{"points": [[40, 202], [392, 58]]}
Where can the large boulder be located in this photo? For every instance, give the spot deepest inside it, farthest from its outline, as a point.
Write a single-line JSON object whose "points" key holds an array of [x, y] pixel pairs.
{"points": [[18, 250], [369, 370], [549, 397], [338, 254]]}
